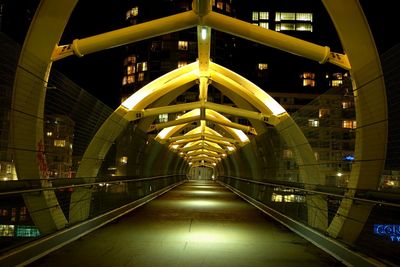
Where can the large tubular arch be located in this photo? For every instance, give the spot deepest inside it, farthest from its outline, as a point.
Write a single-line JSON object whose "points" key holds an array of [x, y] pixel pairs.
{"points": [[372, 123]]}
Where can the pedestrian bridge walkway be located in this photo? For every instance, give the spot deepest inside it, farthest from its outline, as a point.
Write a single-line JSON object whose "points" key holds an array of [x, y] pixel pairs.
{"points": [[198, 223]]}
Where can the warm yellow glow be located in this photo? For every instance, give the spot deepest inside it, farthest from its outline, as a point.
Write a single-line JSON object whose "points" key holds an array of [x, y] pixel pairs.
{"points": [[204, 33], [231, 148], [169, 131], [157, 85], [174, 146], [252, 91]]}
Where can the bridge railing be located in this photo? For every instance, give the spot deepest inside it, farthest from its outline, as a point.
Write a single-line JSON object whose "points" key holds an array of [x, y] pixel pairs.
{"points": [[111, 197], [287, 202]]}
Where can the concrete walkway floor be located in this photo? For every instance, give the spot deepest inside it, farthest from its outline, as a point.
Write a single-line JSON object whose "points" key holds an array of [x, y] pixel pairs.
{"points": [[199, 223]]}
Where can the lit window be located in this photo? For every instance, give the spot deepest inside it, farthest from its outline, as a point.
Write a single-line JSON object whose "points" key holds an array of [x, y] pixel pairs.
{"points": [[346, 104], [163, 118], [254, 16], [336, 83], [130, 69], [6, 230], [323, 112], [287, 154], [220, 5], [262, 66], [182, 63], [276, 198], [304, 27], [183, 45], [123, 160], [337, 76], [308, 79], [228, 8], [316, 155], [349, 124], [142, 66], [49, 133], [263, 15], [313, 122], [308, 75], [288, 26], [130, 79], [132, 13], [304, 17], [130, 60], [284, 16], [264, 25], [141, 76], [308, 82], [59, 143]]}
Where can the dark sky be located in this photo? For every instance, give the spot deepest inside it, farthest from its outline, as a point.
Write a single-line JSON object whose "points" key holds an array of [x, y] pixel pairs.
{"points": [[100, 73]]}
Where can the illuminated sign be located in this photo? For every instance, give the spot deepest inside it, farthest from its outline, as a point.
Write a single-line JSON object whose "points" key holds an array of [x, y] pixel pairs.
{"points": [[348, 158], [390, 230]]}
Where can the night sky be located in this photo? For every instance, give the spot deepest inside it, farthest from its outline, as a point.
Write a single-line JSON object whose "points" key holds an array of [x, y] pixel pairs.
{"points": [[100, 73]]}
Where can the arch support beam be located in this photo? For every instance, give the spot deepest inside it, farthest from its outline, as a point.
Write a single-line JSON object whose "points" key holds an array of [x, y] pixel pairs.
{"points": [[275, 39], [138, 32]]}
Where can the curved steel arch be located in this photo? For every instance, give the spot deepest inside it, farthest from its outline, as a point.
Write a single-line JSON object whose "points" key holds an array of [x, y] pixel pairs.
{"points": [[45, 32]]}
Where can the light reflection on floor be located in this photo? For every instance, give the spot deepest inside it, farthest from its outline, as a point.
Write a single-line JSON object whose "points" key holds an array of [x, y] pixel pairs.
{"points": [[196, 224]]}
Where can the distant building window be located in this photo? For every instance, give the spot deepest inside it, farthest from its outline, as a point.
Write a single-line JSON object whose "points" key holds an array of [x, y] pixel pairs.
{"points": [[308, 79], [304, 17], [309, 82], [304, 27], [346, 104], [285, 16], [163, 118], [254, 16], [349, 124], [264, 25], [59, 143], [337, 76], [313, 122], [182, 63], [130, 60], [285, 27], [123, 160], [6, 230], [308, 75], [130, 79], [183, 45], [262, 66], [263, 15], [132, 13], [323, 112], [336, 83], [287, 154], [130, 69], [276, 197], [141, 76], [220, 5], [228, 8], [142, 66]]}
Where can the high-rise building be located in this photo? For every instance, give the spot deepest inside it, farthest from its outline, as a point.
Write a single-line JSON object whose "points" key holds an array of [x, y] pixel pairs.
{"points": [[59, 136]]}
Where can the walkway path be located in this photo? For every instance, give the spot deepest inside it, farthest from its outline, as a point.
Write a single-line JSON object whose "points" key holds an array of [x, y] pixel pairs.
{"points": [[199, 223]]}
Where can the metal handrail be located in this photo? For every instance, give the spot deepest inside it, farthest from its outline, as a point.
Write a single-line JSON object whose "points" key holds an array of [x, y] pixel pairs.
{"points": [[50, 188], [317, 191]]}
